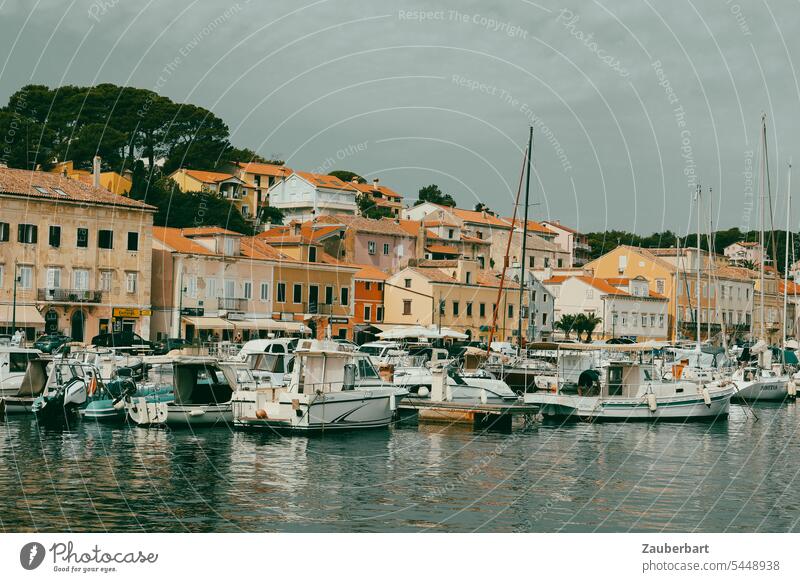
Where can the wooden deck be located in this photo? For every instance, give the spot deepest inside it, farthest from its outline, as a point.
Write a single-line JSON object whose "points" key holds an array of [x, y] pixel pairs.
{"points": [[494, 416]]}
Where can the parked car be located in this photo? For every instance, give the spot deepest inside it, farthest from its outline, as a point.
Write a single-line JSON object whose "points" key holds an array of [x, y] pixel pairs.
{"points": [[171, 343], [50, 343], [125, 340]]}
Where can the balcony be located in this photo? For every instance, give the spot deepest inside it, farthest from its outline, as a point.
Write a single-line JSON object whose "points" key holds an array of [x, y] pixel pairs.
{"points": [[232, 303], [316, 308], [70, 295]]}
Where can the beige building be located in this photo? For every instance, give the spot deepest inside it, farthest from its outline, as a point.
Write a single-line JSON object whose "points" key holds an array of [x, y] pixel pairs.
{"points": [[81, 257], [257, 179], [457, 294]]}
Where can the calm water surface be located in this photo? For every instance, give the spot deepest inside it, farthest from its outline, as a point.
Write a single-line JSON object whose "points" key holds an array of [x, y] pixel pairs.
{"points": [[736, 475]]}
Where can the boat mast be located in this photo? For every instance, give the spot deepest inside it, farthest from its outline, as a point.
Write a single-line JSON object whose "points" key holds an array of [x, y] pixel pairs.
{"points": [[699, 262], [525, 242], [710, 260], [786, 260], [677, 283], [761, 222]]}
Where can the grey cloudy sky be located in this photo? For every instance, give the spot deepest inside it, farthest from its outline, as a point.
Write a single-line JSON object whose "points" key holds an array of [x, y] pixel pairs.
{"points": [[443, 91]]}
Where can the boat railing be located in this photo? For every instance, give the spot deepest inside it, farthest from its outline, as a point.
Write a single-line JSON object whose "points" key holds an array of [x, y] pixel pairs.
{"points": [[222, 350]]}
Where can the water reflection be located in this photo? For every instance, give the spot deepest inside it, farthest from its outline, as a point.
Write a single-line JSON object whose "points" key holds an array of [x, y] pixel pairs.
{"points": [[736, 475]]}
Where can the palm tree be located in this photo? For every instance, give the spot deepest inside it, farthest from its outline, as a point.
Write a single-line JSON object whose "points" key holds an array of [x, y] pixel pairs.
{"points": [[566, 324], [588, 323]]}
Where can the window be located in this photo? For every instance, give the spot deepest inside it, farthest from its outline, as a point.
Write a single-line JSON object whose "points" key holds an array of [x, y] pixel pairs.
{"points": [[229, 288], [2, 272], [371, 247], [652, 320], [25, 277], [532, 261], [544, 319], [661, 320], [482, 309], [191, 286], [297, 293], [4, 230], [105, 239], [55, 236], [53, 278], [546, 262], [211, 288], [130, 282], [511, 310], [406, 306], [329, 295], [367, 312], [133, 241], [469, 308], [455, 308], [27, 233], [469, 278], [624, 318], [345, 295], [367, 285], [385, 248], [408, 283], [644, 320], [83, 238], [248, 289], [106, 280], [245, 210], [312, 254], [379, 314], [660, 286], [450, 233], [380, 286], [281, 292], [265, 291], [230, 247], [80, 279]]}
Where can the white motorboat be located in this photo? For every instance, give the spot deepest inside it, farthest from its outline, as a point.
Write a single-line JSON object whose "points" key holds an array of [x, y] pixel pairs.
{"points": [[483, 388], [754, 384], [270, 360], [329, 389], [33, 384], [626, 389], [13, 365], [202, 388]]}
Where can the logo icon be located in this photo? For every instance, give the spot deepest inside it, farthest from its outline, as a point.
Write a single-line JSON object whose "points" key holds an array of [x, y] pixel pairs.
{"points": [[31, 555]]}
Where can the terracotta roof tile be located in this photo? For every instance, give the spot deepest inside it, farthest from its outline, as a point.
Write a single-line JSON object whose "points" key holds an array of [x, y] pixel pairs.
{"points": [[25, 182], [386, 226], [207, 177], [265, 169], [325, 181]]}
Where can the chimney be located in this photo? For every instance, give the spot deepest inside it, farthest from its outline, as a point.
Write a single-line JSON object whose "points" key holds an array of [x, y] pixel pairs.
{"points": [[375, 184], [96, 171], [3, 164], [354, 180]]}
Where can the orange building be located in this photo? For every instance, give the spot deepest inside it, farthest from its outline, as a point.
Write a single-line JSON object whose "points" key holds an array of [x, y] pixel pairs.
{"points": [[369, 287]]}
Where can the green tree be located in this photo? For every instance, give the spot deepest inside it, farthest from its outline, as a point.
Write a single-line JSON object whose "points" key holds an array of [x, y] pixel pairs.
{"points": [[271, 214], [586, 324], [368, 208], [432, 193], [347, 176], [566, 323]]}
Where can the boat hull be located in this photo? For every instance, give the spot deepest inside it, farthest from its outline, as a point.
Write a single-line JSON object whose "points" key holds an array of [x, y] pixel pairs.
{"points": [[146, 412], [762, 390], [673, 408]]}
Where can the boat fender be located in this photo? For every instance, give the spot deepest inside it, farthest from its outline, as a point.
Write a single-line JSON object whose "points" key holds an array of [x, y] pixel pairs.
{"points": [[197, 412], [261, 414], [484, 399], [392, 402], [706, 396], [448, 393], [423, 391], [792, 389], [651, 402]]}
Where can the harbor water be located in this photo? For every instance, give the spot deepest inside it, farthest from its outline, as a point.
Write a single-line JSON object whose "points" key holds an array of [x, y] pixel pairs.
{"points": [[738, 475]]}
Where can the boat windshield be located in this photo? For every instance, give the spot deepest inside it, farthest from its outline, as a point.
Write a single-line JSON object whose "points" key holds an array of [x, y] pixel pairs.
{"points": [[268, 362], [366, 369]]}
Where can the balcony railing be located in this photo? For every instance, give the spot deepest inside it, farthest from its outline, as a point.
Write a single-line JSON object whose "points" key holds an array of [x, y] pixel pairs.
{"points": [[232, 303], [70, 295], [317, 308]]}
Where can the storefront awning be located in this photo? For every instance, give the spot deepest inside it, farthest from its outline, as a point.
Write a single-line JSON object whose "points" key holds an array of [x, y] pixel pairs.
{"points": [[26, 316], [294, 326], [265, 324], [208, 322]]}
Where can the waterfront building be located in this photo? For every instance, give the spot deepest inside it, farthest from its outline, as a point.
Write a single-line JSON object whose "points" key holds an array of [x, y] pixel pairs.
{"points": [[114, 182], [744, 254], [222, 184], [455, 293], [302, 196], [626, 306], [368, 312], [80, 256], [572, 241], [381, 243]]}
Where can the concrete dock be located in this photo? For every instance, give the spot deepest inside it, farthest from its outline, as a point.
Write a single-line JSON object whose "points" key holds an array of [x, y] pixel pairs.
{"points": [[482, 416]]}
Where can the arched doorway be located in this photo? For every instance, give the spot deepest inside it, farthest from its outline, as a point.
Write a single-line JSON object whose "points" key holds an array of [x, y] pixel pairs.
{"points": [[51, 321], [78, 325]]}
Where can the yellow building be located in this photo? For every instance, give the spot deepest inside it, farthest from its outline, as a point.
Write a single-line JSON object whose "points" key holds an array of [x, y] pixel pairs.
{"points": [[222, 184], [457, 294], [257, 179], [114, 182], [81, 256]]}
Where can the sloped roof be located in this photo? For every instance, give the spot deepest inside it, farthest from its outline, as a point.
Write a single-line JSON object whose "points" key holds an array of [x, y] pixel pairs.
{"points": [[555, 224], [386, 226], [478, 217], [370, 188], [174, 238], [265, 169], [324, 181], [208, 231], [442, 249], [255, 248], [207, 177], [410, 226], [533, 226], [24, 182], [371, 273]]}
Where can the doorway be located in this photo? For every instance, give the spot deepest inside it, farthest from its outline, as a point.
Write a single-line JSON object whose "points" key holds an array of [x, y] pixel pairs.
{"points": [[78, 325], [51, 321]]}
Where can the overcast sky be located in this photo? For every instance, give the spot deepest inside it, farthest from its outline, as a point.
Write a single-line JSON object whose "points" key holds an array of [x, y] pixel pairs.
{"points": [[630, 101]]}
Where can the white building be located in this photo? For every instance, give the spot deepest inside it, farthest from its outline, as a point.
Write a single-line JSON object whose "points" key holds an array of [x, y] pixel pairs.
{"points": [[572, 241], [626, 307], [303, 195], [743, 253]]}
